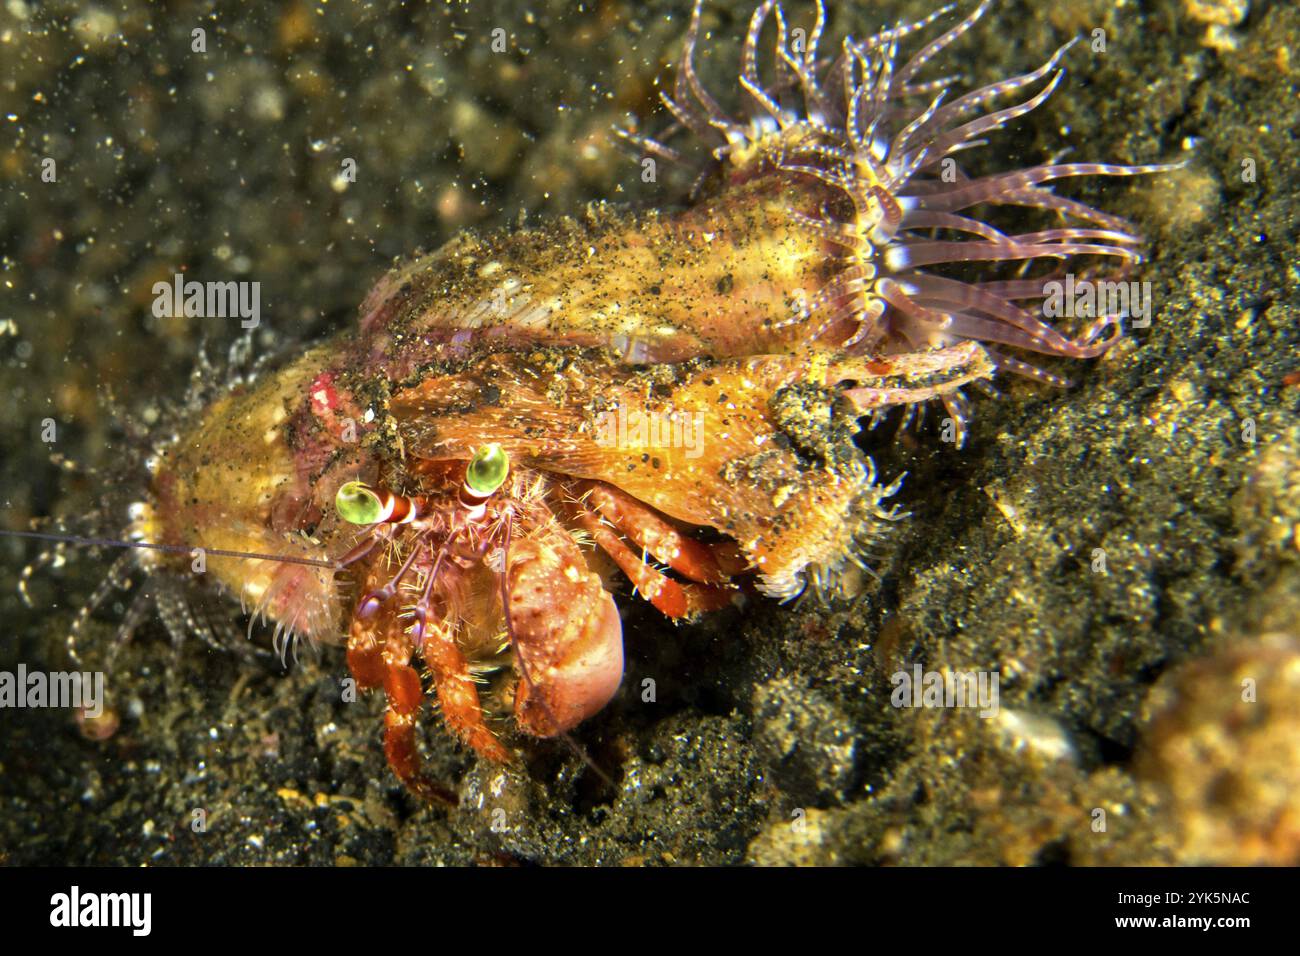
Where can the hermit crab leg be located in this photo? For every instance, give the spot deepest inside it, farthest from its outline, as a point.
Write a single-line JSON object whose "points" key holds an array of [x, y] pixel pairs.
{"points": [[665, 543], [374, 600], [405, 696], [364, 659], [386, 663], [919, 376], [670, 597], [420, 613], [457, 694]]}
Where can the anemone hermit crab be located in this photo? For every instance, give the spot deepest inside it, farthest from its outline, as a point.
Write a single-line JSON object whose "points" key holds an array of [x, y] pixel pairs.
{"points": [[442, 485]]}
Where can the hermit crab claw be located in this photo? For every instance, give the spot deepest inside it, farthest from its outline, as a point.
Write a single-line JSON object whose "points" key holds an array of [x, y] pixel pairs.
{"points": [[567, 634]]}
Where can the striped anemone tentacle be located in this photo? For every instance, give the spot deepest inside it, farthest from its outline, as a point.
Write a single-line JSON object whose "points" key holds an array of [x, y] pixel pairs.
{"points": [[864, 122]]}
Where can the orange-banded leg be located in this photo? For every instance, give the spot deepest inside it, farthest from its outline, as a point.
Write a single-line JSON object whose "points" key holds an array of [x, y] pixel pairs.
{"points": [[454, 682], [436, 639], [705, 563], [458, 695], [673, 598], [380, 648], [379, 654], [365, 658]]}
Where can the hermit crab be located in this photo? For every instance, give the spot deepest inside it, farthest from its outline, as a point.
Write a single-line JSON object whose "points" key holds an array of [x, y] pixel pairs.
{"points": [[466, 480], [486, 567]]}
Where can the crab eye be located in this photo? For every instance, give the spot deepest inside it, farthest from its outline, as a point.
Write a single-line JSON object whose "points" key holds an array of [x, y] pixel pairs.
{"points": [[487, 469], [357, 504]]}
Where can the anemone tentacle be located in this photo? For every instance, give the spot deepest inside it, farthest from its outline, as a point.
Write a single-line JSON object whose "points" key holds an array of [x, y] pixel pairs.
{"points": [[882, 137]]}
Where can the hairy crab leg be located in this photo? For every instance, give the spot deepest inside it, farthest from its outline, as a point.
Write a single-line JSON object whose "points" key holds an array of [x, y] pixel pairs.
{"points": [[672, 598], [665, 543], [373, 600], [457, 694], [385, 661], [913, 378], [365, 659], [405, 695]]}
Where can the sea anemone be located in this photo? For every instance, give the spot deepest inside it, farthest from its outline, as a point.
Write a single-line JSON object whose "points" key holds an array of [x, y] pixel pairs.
{"points": [[867, 125]]}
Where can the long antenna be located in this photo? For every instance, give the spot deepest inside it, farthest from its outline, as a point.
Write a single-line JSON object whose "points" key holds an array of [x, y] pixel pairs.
{"points": [[172, 548]]}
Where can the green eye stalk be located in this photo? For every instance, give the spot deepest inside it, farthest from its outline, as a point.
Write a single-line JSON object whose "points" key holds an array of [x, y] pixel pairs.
{"points": [[487, 470], [358, 504]]}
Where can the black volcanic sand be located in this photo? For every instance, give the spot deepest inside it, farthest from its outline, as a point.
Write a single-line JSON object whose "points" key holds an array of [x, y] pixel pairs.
{"points": [[770, 737]]}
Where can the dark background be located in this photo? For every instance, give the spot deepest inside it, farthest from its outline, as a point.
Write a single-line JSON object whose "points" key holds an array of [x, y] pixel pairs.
{"points": [[224, 165]]}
